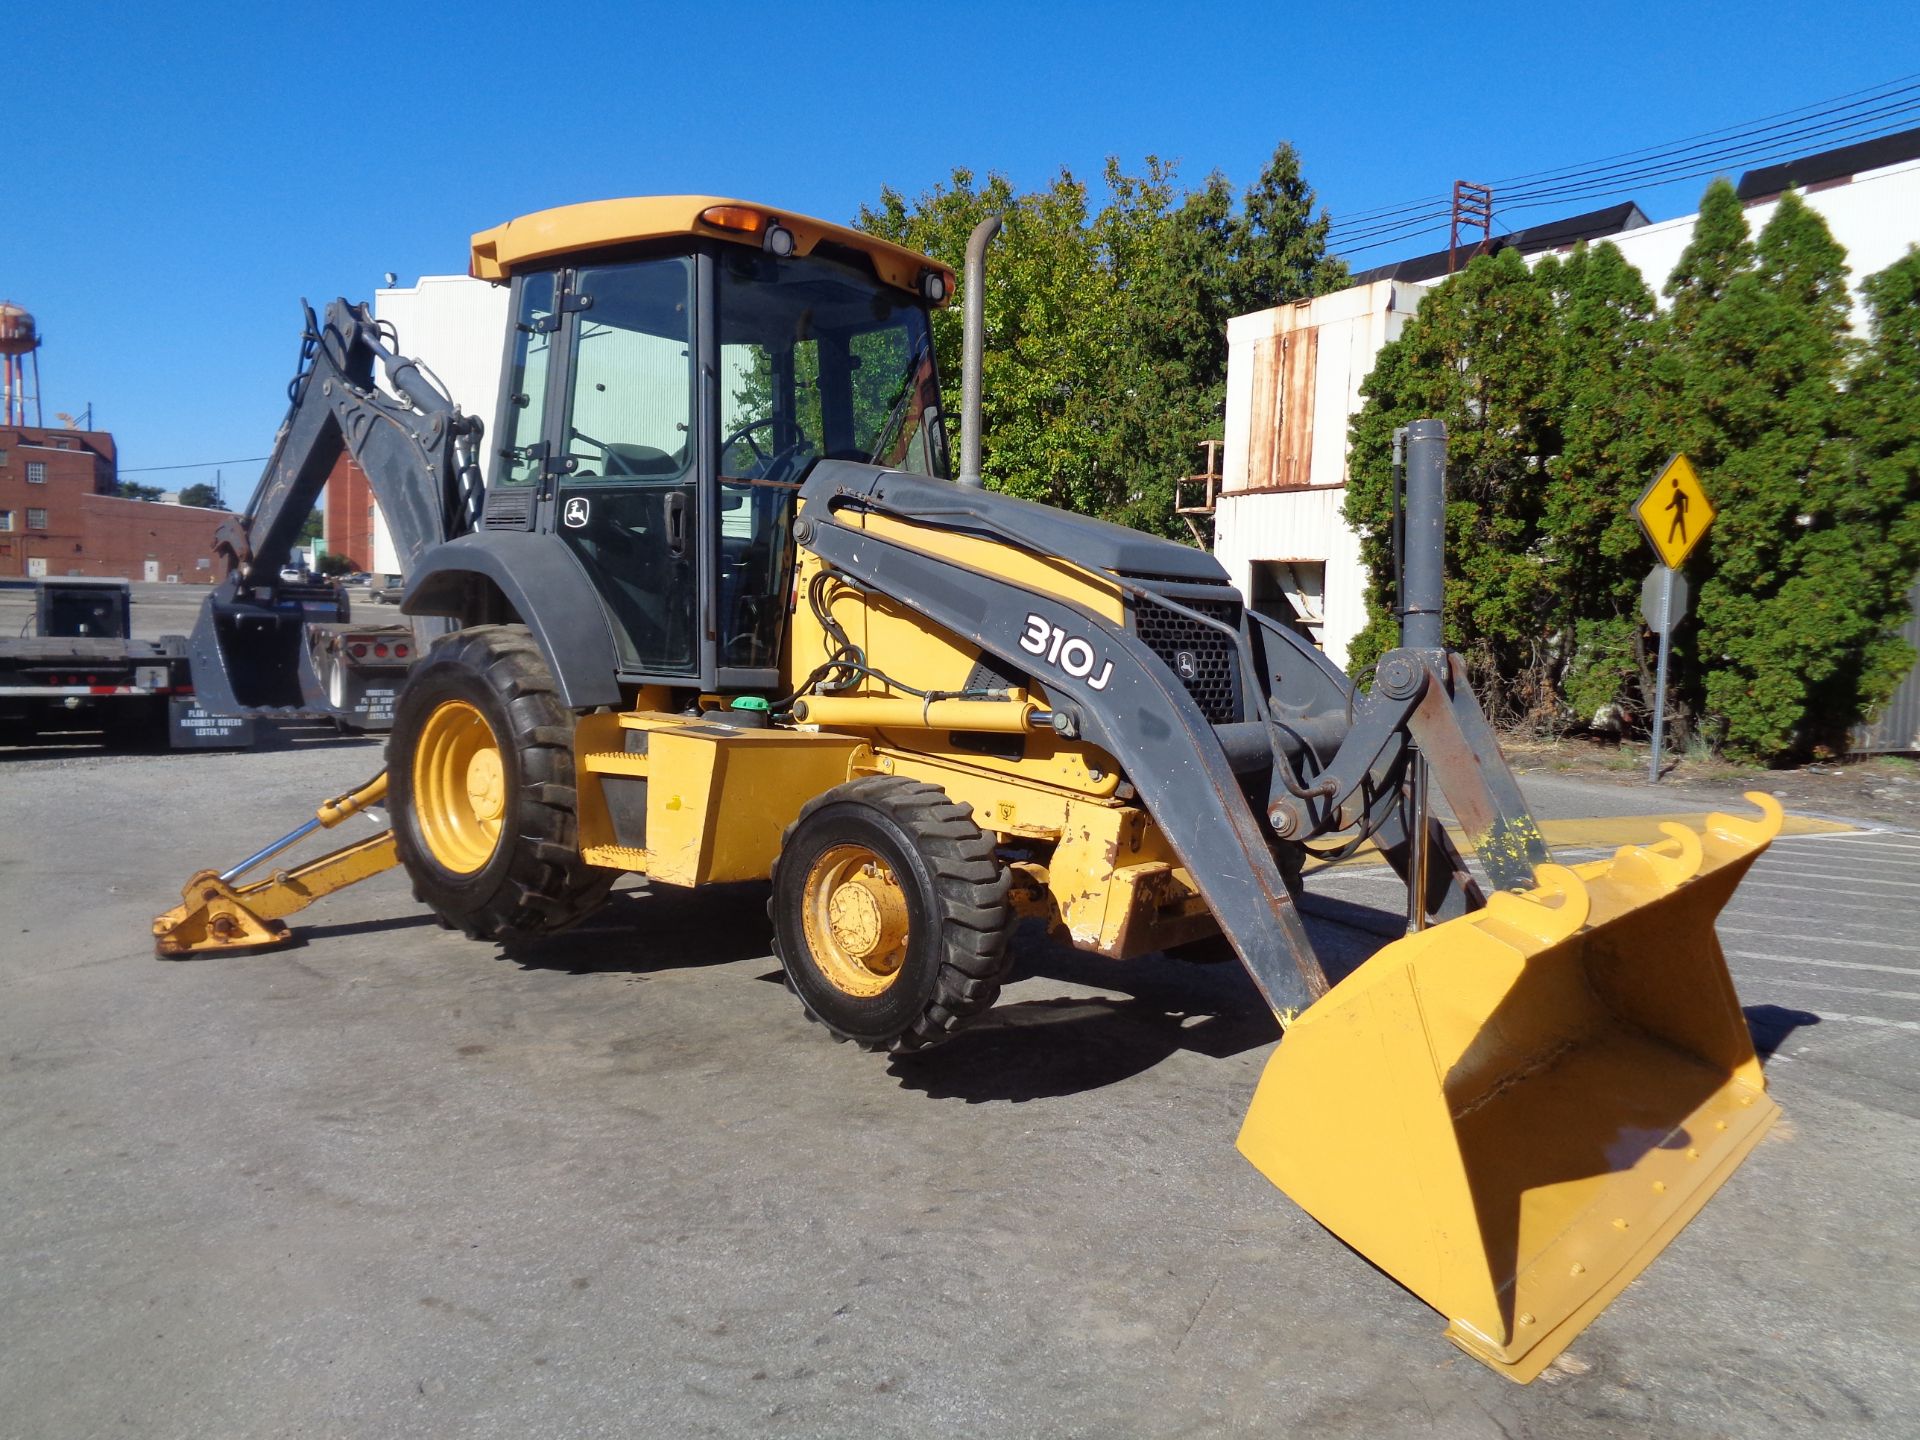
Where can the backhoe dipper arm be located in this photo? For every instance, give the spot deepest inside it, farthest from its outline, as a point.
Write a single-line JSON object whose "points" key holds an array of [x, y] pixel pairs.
{"points": [[417, 452]]}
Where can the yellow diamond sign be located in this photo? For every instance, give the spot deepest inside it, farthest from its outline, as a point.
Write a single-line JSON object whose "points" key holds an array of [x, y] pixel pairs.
{"points": [[1674, 511]]}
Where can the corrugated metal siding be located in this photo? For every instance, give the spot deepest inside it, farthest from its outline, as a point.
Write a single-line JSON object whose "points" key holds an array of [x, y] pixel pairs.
{"points": [[1298, 525], [1896, 729]]}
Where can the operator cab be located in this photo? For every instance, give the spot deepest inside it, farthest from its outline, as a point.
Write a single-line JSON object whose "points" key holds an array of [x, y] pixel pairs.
{"points": [[664, 397]]}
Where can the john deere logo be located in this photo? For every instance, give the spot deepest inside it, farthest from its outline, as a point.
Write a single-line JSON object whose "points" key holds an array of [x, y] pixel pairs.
{"points": [[1185, 665], [575, 513]]}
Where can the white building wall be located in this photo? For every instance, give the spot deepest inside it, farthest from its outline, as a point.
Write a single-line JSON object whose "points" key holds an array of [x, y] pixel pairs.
{"points": [[1304, 524], [1875, 216], [457, 327]]}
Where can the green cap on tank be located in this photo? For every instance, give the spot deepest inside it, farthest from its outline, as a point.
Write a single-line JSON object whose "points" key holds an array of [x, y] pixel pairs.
{"points": [[749, 702]]}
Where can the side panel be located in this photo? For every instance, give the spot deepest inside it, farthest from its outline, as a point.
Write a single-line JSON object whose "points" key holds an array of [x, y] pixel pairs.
{"points": [[547, 589]]}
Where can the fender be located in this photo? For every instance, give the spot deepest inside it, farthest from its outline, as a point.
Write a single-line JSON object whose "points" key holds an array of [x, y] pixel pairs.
{"points": [[548, 590]]}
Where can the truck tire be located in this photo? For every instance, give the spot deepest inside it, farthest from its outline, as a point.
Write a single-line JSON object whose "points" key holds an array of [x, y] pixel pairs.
{"points": [[890, 913], [481, 789]]}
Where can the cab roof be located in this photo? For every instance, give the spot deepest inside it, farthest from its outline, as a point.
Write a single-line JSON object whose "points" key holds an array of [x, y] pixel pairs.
{"points": [[546, 235]]}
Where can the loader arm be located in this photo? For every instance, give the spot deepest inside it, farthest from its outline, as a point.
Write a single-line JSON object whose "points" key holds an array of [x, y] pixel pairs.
{"points": [[1140, 714], [417, 450]]}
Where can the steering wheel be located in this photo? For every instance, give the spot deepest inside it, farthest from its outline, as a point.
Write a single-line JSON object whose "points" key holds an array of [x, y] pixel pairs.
{"points": [[770, 464]]}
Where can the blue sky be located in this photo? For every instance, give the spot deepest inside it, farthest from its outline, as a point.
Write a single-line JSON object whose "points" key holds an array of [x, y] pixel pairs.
{"points": [[180, 175]]}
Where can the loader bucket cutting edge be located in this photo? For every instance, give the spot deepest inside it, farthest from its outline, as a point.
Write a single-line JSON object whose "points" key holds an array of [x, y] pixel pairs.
{"points": [[1514, 1111]]}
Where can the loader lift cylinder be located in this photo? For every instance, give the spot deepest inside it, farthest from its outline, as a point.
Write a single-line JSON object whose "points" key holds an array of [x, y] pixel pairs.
{"points": [[1422, 562], [1424, 551]]}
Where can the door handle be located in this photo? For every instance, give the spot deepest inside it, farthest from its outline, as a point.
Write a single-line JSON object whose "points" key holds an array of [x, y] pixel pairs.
{"points": [[677, 523]]}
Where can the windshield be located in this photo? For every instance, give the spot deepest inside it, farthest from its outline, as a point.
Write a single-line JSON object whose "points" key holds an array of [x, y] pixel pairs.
{"points": [[819, 360]]}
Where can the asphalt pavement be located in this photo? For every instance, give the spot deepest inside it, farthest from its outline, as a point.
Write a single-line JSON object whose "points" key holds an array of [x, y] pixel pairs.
{"points": [[393, 1182]]}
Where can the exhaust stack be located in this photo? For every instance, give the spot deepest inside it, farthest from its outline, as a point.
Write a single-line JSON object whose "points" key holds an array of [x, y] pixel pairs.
{"points": [[972, 352]]}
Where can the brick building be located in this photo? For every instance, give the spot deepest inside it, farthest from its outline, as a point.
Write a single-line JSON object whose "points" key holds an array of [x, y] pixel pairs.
{"points": [[45, 475], [349, 513], [59, 515], [145, 540]]}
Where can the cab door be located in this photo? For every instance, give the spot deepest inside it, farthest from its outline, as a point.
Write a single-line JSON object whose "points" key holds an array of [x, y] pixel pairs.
{"points": [[626, 459]]}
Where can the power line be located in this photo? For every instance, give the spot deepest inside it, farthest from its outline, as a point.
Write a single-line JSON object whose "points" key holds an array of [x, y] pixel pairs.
{"points": [[196, 465], [1885, 86], [1805, 122], [1794, 141]]}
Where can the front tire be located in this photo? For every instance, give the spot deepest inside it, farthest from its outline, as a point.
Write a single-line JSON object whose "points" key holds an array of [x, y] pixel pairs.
{"points": [[890, 913], [481, 784]]}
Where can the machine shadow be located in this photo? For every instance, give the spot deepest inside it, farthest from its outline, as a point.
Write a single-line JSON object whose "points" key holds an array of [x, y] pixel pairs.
{"points": [[1770, 1025], [640, 932], [1037, 1048], [1046, 1048]]}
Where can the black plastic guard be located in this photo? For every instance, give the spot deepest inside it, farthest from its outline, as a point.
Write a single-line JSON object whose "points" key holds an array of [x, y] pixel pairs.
{"points": [[547, 589]]}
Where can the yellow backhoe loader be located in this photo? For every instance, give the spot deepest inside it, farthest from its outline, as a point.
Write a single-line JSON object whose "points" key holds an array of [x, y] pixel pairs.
{"points": [[715, 612]]}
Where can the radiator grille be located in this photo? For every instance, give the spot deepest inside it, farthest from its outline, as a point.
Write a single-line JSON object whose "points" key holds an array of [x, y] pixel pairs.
{"points": [[1185, 645]]}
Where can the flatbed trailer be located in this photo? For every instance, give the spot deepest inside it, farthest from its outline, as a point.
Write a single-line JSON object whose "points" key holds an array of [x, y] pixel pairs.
{"points": [[83, 671]]}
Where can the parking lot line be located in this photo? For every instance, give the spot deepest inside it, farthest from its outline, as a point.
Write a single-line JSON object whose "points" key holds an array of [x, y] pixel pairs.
{"points": [[1754, 883], [1855, 876], [1825, 964], [1765, 980], [1858, 840], [1911, 1026], [1818, 940]]}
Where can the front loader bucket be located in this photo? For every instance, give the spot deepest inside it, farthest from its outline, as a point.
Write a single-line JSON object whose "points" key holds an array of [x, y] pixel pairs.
{"points": [[1514, 1111]]}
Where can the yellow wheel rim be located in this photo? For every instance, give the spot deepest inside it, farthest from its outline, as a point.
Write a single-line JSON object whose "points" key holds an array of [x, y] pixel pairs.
{"points": [[855, 916], [459, 787]]}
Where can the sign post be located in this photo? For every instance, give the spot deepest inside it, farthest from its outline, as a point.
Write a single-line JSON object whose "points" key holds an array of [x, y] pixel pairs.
{"points": [[1674, 512]]}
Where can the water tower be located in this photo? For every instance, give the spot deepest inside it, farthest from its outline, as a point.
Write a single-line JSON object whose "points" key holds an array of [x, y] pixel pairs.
{"points": [[19, 351]]}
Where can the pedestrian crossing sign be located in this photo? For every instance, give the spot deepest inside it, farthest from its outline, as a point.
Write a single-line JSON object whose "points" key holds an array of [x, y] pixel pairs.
{"points": [[1674, 511]]}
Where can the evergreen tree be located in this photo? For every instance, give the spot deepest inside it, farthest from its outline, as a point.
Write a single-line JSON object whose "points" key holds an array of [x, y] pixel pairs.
{"points": [[1718, 251], [1474, 356], [1279, 246], [1877, 514], [1763, 387], [1605, 400]]}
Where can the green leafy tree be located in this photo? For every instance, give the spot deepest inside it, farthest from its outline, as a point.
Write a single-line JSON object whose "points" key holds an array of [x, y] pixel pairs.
{"points": [[1719, 250], [1564, 391], [1279, 244], [1105, 360], [1763, 373], [203, 495], [133, 490], [1877, 513], [1473, 356], [1605, 398], [333, 566]]}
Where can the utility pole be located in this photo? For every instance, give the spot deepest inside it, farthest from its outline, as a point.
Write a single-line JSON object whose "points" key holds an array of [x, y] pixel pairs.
{"points": [[1472, 209]]}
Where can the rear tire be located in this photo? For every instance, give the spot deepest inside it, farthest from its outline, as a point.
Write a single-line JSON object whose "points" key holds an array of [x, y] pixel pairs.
{"points": [[890, 913], [481, 780]]}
